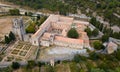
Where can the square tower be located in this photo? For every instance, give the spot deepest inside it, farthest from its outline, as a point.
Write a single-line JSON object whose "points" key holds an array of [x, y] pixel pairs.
{"points": [[18, 28]]}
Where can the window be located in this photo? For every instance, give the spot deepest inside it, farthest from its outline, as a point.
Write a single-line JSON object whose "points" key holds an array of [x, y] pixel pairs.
{"points": [[34, 42]]}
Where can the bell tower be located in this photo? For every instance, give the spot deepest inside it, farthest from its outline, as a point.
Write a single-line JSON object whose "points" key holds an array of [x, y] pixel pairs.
{"points": [[18, 28]]}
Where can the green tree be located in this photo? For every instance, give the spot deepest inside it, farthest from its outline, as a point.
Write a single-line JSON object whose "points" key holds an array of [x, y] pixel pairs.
{"points": [[29, 13], [95, 32], [117, 54], [93, 56], [89, 32], [97, 45], [77, 58], [72, 33], [14, 12], [15, 65], [117, 69], [31, 64], [11, 36], [7, 40], [31, 28], [42, 19], [97, 70], [93, 21], [105, 38], [108, 14]]}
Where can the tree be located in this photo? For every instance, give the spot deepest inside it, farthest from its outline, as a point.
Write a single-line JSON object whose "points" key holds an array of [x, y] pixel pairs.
{"points": [[72, 33], [108, 14], [31, 64], [117, 69], [77, 58], [93, 21], [31, 28], [117, 54], [42, 19], [94, 56], [97, 45], [97, 70], [15, 65], [29, 13], [38, 17], [105, 38], [89, 32], [40, 64], [11, 36], [7, 40], [95, 32], [14, 12]]}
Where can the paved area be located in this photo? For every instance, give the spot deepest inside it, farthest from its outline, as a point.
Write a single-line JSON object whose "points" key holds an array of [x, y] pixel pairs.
{"points": [[58, 53]]}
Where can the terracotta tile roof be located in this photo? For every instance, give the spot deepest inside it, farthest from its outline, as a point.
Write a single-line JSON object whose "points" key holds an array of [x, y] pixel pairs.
{"points": [[69, 40]]}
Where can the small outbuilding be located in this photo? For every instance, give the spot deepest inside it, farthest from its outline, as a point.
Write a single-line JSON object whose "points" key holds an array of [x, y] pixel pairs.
{"points": [[111, 47]]}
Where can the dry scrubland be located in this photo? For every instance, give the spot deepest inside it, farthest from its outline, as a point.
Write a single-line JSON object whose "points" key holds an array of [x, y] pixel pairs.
{"points": [[6, 24]]}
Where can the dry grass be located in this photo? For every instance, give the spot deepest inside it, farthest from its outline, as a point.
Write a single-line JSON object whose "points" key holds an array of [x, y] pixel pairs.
{"points": [[6, 24], [62, 68]]}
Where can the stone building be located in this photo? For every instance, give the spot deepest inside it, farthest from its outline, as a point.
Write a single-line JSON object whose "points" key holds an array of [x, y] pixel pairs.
{"points": [[54, 32], [111, 47], [18, 28]]}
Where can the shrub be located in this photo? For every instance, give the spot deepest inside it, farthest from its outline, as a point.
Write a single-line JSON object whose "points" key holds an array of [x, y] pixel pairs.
{"points": [[15, 65], [72, 33]]}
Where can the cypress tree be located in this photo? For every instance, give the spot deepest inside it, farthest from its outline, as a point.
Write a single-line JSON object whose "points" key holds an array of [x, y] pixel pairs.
{"points": [[7, 40]]}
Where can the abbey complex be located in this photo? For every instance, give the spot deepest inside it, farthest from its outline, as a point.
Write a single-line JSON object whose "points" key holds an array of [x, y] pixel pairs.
{"points": [[54, 32]]}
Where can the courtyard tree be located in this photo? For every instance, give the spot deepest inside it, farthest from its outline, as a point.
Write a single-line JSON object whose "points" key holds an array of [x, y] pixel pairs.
{"points": [[95, 32], [7, 40], [31, 28], [11, 36], [97, 45], [72, 33], [42, 19], [15, 65]]}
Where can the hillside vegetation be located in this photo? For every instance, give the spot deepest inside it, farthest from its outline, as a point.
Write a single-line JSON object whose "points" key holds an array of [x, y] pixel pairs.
{"points": [[103, 8]]}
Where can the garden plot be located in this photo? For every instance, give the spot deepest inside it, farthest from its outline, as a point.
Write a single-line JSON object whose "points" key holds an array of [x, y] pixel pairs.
{"points": [[15, 51], [21, 51]]}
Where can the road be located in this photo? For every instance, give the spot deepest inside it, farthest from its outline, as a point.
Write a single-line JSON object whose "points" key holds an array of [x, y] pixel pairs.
{"points": [[22, 11]]}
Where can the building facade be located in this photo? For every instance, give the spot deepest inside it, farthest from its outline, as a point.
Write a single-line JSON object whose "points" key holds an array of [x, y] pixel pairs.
{"points": [[18, 28], [54, 32]]}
